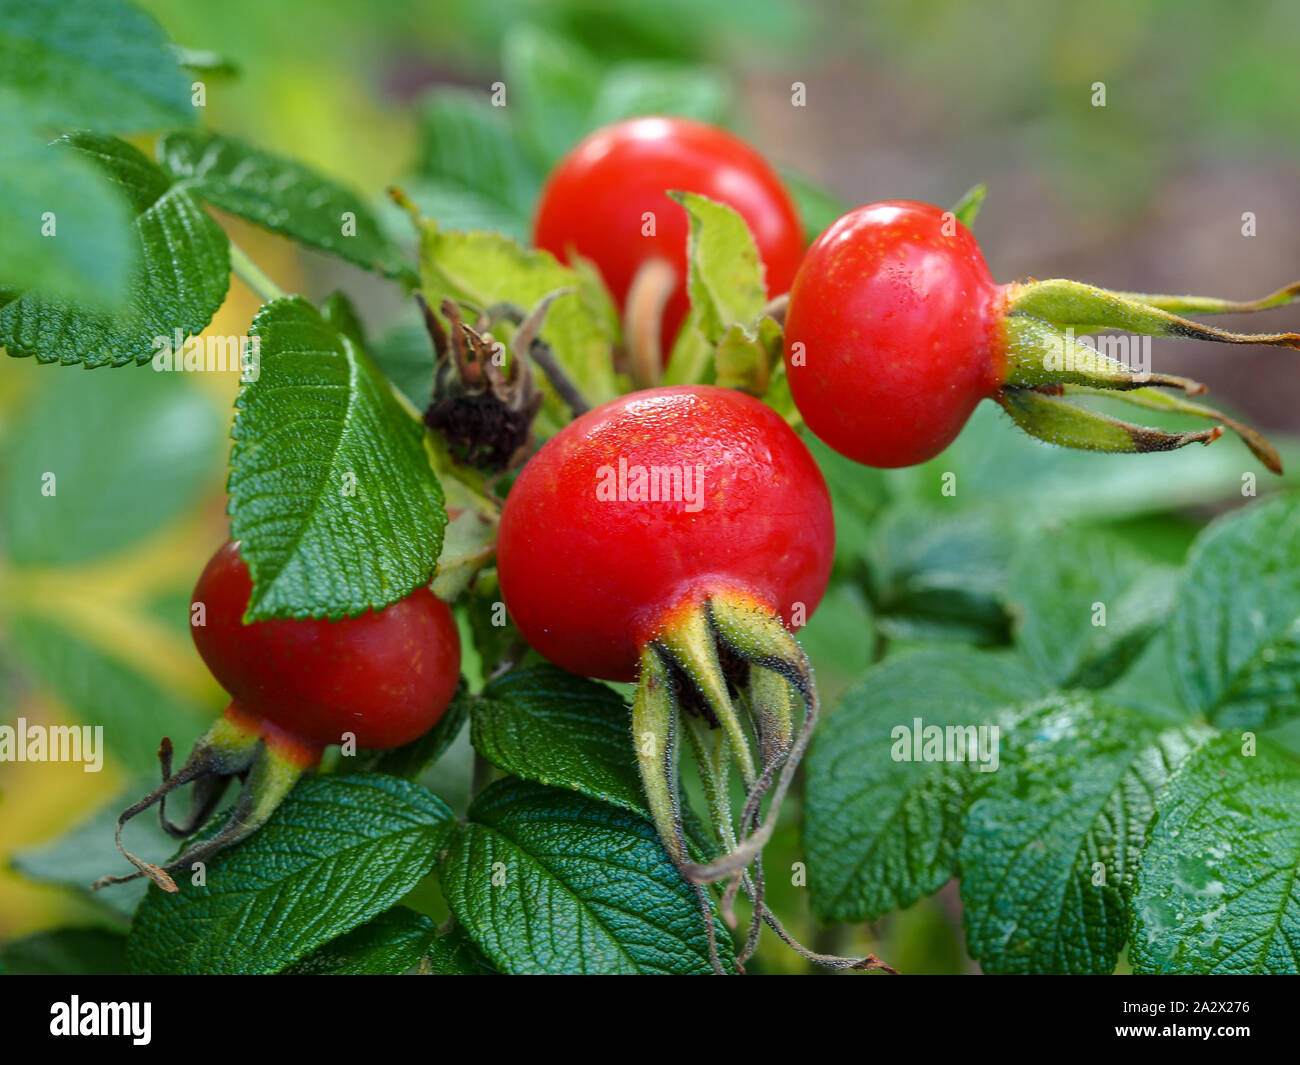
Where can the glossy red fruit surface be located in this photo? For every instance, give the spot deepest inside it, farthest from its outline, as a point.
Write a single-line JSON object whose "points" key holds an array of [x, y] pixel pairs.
{"points": [[590, 570], [896, 315], [386, 677], [596, 199]]}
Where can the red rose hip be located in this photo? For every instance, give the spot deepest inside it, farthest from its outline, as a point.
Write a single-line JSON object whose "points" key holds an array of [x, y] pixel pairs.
{"points": [[664, 536], [381, 679], [607, 201]]}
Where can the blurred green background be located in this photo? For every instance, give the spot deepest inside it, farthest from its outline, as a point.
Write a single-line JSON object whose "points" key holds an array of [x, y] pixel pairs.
{"points": [[918, 100]]}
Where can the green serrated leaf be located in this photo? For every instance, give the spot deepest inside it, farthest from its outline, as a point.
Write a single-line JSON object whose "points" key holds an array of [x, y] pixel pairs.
{"points": [[331, 495], [1086, 605], [179, 279], [549, 881], [92, 63], [725, 273], [453, 954], [549, 726], [339, 312], [1051, 846], [388, 945], [358, 843], [1235, 631], [882, 833], [66, 952], [1148, 685], [282, 195], [1219, 887]]}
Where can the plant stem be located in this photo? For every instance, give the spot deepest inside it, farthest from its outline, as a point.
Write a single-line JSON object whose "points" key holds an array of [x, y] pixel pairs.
{"points": [[560, 381], [252, 275]]}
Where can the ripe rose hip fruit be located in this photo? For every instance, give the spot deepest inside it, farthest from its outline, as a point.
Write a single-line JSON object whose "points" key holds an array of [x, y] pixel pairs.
{"points": [[381, 679], [385, 676], [591, 572], [663, 537], [895, 331], [596, 201]]}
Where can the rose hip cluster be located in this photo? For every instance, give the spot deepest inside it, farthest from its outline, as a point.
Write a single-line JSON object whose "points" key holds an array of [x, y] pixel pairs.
{"points": [[690, 576]]}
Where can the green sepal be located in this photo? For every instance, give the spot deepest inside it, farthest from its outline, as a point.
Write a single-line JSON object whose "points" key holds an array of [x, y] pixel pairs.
{"points": [[1052, 419], [1164, 401], [1214, 305], [230, 748], [1039, 353], [654, 737], [1086, 308]]}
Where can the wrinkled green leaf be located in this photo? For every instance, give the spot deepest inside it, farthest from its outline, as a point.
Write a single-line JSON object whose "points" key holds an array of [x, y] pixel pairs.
{"points": [[282, 195], [388, 945], [549, 881], [549, 726], [1235, 631], [331, 494], [1051, 846], [178, 280], [405, 355], [1219, 887], [993, 462], [552, 83], [939, 575], [630, 90], [882, 833], [453, 954], [358, 842], [412, 759]]}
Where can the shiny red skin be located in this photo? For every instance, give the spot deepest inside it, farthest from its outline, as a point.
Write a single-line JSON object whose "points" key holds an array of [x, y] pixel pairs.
{"points": [[386, 677], [589, 581], [898, 324], [595, 198]]}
